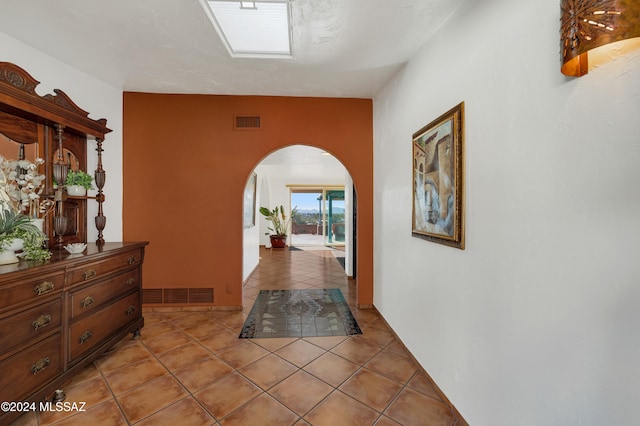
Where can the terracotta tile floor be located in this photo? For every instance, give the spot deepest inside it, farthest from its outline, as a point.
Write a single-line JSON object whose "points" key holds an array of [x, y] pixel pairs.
{"points": [[190, 368]]}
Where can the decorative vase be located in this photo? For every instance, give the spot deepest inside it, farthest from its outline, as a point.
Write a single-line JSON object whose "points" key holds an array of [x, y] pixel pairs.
{"points": [[76, 190], [278, 241], [8, 252], [38, 223]]}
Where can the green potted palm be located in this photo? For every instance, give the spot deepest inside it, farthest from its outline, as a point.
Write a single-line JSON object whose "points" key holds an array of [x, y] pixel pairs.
{"points": [[78, 182], [17, 232], [279, 225]]}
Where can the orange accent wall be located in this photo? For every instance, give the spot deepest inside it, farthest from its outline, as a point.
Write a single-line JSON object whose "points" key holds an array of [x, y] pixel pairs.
{"points": [[185, 168]]}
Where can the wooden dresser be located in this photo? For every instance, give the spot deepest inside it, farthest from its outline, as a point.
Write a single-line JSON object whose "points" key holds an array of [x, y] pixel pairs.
{"points": [[57, 317]]}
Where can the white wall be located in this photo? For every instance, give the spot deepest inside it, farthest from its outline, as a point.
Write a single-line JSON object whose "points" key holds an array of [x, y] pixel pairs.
{"points": [[251, 240], [349, 202], [90, 94], [536, 322]]}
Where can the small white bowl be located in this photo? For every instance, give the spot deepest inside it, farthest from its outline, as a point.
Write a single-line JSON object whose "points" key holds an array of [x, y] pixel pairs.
{"points": [[75, 248]]}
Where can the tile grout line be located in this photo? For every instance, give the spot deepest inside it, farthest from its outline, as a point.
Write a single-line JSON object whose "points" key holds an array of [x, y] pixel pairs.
{"points": [[115, 399], [181, 384]]}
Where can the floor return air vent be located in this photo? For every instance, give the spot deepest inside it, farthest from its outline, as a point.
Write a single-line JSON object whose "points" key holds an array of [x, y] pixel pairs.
{"points": [[177, 296]]}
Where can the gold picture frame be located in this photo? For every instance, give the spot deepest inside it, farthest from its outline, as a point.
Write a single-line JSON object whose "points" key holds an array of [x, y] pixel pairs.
{"points": [[438, 180]]}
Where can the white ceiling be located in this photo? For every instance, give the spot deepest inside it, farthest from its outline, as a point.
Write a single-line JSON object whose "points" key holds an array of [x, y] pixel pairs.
{"points": [[341, 48]]}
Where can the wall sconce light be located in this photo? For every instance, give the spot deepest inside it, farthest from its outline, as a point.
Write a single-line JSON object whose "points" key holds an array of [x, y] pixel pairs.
{"points": [[589, 24]]}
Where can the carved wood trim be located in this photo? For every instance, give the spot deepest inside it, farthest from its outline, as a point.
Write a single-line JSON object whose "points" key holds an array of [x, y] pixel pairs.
{"points": [[18, 97]]}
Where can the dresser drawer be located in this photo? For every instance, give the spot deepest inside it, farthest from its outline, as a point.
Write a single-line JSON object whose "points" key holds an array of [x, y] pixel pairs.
{"points": [[30, 289], [95, 270], [90, 331], [90, 298], [29, 369], [29, 324]]}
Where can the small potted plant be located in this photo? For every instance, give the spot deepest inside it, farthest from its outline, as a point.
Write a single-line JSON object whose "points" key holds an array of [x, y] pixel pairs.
{"points": [[17, 232], [78, 182], [280, 223]]}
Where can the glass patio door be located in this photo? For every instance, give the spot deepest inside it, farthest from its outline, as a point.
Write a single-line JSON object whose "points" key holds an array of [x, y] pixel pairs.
{"points": [[321, 216]]}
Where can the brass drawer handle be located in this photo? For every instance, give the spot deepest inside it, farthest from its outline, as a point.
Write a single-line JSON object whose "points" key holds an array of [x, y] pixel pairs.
{"points": [[86, 302], [41, 321], [85, 336], [132, 260], [43, 288], [89, 274], [40, 365], [131, 281], [130, 310]]}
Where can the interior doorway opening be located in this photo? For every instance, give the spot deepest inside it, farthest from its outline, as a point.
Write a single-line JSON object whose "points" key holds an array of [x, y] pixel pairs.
{"points": [[302, 169]]}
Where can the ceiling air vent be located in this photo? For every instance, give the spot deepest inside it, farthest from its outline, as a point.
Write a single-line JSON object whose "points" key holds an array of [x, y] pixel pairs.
{"points": [[246, 122]]}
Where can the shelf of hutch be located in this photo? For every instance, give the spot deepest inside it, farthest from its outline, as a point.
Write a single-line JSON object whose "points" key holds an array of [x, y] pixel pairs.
{"points": [[59, 315]]}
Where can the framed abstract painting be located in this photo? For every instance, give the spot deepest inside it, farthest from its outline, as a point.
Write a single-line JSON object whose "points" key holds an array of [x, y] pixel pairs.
{"points": [[438, 180]]}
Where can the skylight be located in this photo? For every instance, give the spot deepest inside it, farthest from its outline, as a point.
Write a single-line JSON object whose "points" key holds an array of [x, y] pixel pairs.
{"points": [[256, 29]]}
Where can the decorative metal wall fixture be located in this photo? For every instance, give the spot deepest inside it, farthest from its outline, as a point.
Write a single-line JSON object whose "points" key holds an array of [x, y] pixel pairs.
{"points": [[589, 24]]}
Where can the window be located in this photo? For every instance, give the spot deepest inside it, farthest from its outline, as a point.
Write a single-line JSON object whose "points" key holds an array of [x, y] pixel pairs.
{"points": [[255, 29]]}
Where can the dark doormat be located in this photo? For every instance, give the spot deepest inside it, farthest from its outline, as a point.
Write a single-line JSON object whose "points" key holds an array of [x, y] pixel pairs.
{"points": [[299, 313]]}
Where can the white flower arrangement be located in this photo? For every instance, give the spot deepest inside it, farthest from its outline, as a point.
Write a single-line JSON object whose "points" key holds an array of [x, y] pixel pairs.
{"points": [[21, 186], [20, 189]]}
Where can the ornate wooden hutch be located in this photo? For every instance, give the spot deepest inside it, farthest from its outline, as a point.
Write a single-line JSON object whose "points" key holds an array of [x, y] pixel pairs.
{"points": [[57, 316]]}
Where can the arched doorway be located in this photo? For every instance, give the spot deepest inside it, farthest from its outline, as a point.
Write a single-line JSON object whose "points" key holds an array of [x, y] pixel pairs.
{"points": [[299, 168]]}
